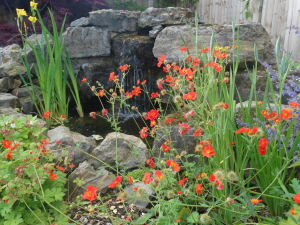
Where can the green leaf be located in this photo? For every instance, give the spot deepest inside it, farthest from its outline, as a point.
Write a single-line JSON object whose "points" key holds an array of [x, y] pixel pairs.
{"points": [[295, 164], [194, 217]]}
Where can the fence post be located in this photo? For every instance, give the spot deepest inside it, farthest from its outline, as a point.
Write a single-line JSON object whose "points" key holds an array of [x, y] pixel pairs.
{"points": [[150, 3]]}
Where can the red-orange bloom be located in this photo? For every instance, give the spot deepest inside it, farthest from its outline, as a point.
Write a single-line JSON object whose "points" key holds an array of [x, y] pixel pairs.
{"points": [[161, 60], [104, 112], [60, 168], [190, 96], [183, 49], [286, 113], [264, 112], [263, 143], [150, 162], [84, 79], [271, 115], [112, 76], [159, 174], [52, 175], [47, 114], [255, 201], [124, 68], [147, 178], [154, 95], [208, 151], [9, 155], [294, 105], [169, 121], [136, 91], [144, 132], [212, 178], [277, 120], [197, 132], [182, 181], [198, 188], [165, 147], [297, 198], [175, 166], [205, 50], [101, 93], [6, 143], [293, 211], [152, 114], [91, 193], [115, 182], [242, 130], [129, 179], [183, 128]]}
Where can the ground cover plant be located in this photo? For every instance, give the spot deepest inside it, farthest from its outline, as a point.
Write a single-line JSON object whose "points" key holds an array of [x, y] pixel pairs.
{"points": [[236, 174]]}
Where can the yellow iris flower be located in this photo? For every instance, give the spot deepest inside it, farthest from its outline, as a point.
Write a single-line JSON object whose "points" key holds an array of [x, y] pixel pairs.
{"points": [[33, 5], [21, 12], [32, 19]]}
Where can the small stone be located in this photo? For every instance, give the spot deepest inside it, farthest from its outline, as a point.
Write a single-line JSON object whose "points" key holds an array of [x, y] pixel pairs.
{"points": [[115, 211], [112, 207]]}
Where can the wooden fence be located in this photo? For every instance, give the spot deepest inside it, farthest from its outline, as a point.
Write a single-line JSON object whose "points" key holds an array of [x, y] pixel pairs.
{"points": [[279, 17]]}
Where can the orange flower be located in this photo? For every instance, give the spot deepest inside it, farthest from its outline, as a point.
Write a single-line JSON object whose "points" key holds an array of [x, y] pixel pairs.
{"points": [[112, 77], [263, 143], [154, 95], [197, 132], [182, 181], [271, 115], [91, 193], [208, 150], [161, 60], [293, 211], [152, 114], [294, 105], [101, 93], [6, 143], [136, 91], [264, 112], [205, 50], [165, 147], [84, 79], [47, 114], [9, 155], [183, 49], [169, 121], [150, 162], [159, 174], [71, 166], [175, 166], [115, 182], [144, 132], [147, 178], [52, 175], [255, 201], [190, 96], [277, 120], [242, 130], [297, 198], [61, 168], [286, 113], [104, 112], [124, 68], [198, 188]]}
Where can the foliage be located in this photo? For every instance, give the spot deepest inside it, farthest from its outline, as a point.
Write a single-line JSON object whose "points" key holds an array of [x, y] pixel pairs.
{"points": [[32, 190], [73, 8], [53, 69], [237, 173]]}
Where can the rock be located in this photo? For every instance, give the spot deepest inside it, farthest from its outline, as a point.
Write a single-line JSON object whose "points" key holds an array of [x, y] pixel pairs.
{"points": [[187, 142], [10, 63], [81, 22], [87, 42], [8, 100], [134, 50], [22, 92], [154, 32], [141, 197], [76, 144], [26, 104], [8, 83], [85, 172], [169, 41], [152, 17], [115, 20], [130, 152]]}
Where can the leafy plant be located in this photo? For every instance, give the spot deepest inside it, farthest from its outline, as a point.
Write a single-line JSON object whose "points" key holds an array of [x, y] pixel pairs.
{"points": [[53, 69], [31, 188]]}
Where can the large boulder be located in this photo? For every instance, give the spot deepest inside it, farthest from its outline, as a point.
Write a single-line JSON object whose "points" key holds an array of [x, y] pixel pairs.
{"points": [[7, 100], [141, 197], [87, 42], [86, 173], [115, 20], [77, 145], [127, 150], [187, 142], [10, 63], [8, 83], [152, 17], [170, 40]]}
